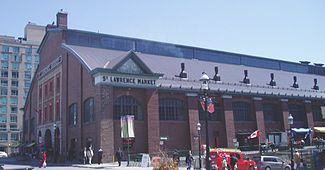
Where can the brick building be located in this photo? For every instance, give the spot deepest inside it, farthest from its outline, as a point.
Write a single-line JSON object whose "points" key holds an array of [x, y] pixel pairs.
{"points": [[86, 81]]}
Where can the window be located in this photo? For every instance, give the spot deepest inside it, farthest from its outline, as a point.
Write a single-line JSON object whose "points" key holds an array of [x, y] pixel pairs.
{"points": [[28, 75], [13, 119], [270, 112], [57, 110], [57, 83], [4, 74], [45, 114], [4, 57], [215, 116], [15, 58], [241, 111], [36, 59], [15, 49], [3, 127], [28, 51], [39, 116], [14, 136], [51, 87], [3, 92], [171, 109], [3, 118], [14, 92], [14, 109], [3, 109], [45, 90], [15, 66], [13, 128], [15, 74], [297, 111], [26, 92], [13, 100], [28, 66], [317, 113], [5, 49], [127, 105], [73, 113], [40, 93], [51, 112], [14, 83], [89, 110], [4, 65], [3, 136], [4, 82], [28, 58], [27, 84], [3, 100]]}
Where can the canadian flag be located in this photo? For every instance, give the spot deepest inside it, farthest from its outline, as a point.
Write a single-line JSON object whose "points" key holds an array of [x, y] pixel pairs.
{"points": [[255, 134]]}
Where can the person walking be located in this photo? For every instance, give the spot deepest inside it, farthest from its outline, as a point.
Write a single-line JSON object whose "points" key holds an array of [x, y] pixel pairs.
{"points": [[118, 156], [233, 161], [100, 155], [189, 159], [90, 154], [296, 159], [84, 155], [42, 162]]}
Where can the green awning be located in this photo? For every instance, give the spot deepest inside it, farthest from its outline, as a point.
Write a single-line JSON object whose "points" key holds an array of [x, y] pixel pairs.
{"points": [[319, 129], [30, 145]]}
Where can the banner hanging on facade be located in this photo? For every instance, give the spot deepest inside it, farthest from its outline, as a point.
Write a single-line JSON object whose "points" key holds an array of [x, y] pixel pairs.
{"points": [[127, 128]]}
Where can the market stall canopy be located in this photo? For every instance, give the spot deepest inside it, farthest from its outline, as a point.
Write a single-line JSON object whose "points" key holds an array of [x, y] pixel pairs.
{"points": [[305, 131], [319, 129]]}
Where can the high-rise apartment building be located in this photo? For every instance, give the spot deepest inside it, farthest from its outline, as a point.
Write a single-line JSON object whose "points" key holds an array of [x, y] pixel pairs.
{"points": [[18, 62]]}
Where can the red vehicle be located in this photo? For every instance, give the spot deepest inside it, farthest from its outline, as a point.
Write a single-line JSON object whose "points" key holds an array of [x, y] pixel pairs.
{"points": [[244, 163]]}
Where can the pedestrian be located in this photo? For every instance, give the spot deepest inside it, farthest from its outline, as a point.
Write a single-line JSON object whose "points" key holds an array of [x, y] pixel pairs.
{"points": [[84, 155], [42, 162], [118, 156], [233, 161], [189, 159], [224, 162], [296, 159], [90, 154], [100, 155]]}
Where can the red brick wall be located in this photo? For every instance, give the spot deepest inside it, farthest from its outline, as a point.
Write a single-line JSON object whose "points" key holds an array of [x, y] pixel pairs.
{"points": [[229, 120]]}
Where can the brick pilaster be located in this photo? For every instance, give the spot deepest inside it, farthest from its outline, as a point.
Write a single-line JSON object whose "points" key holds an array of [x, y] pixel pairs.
{"points": [[104, 95], [229, 120], [153, 120], [285, 113], [193, 119], [309, 115], [258, 104]]}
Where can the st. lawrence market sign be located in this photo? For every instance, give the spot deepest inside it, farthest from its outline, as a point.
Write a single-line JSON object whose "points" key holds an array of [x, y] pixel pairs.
{"points": [[126, 80]]}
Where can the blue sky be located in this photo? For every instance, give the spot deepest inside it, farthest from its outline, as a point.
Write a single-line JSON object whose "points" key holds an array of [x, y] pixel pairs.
{"points": [[287, 30]]}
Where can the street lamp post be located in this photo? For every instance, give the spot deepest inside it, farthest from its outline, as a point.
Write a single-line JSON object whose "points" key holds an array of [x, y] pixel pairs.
{"points": [[198, 126], [290, 122], [205, 87]]}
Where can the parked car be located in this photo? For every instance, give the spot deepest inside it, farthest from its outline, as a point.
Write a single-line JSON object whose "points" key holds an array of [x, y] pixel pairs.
{"points": [[3, 154], [270, 162], [244, 163]]}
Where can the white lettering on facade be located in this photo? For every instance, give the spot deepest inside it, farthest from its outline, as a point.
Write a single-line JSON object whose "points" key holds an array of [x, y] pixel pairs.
{"points": [[128, 80], [50, 67]]}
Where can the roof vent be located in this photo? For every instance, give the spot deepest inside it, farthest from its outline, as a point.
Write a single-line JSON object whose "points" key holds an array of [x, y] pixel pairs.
{"points": [[246, 79], [216, 75], [272, 82], [318, 64], [295, 84], [183, 73], [304, 62], [315, 85]]}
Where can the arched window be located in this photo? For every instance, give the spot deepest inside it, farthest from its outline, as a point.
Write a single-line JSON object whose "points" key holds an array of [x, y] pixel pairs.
{"points": [[89, 114], [171, 109], [215, 116], [73, 113], [241, 111], [270, 112], [317, 114], [127, 105], [297, 111]]}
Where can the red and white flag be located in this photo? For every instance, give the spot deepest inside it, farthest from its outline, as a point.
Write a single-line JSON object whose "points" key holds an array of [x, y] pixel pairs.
{"points": [[255, 134]]}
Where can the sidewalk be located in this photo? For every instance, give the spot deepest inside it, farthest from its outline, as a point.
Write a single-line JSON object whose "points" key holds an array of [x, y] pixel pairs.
{"points": [[115, 166]]}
